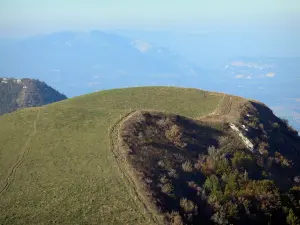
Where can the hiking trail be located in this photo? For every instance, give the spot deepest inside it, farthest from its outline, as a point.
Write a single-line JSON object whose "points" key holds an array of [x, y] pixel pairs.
{"points": [[11, 176]]}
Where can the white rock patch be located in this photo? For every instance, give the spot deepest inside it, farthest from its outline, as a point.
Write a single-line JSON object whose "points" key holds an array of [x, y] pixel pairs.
{"points": [[244, 139], [18, 81], [244, 127]]}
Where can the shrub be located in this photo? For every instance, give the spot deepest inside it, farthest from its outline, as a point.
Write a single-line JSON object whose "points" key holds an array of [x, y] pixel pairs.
{"points": [[280, 159], [164, 179], [175, 218], [187, 166], [263, 148], [242, 160], [223, 166], [198, 165], [224, 140], [291, 218], [219, 218], [232, 185], [172, 173], [263, 191], [167, 189], [195, 186], [188, 206], [207, 167], [213, 152], [275, 126], [254, 121], [173, 133], [212, 184]]}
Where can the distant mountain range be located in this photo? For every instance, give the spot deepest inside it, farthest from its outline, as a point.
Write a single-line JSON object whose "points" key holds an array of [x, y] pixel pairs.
{"points": [[83, 62], [23, 93], [78, 63]]}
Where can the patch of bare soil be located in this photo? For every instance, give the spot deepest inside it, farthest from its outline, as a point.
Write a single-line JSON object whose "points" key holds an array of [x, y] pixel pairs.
{"points": [[227, 111]]}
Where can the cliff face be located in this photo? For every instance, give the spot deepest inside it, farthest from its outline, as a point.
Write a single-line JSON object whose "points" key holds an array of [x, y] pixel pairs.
{"points": [[22, 93]]}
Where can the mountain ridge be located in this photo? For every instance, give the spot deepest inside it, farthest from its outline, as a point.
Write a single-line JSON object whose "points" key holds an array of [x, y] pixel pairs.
{"points": [[21, 93], [83, 62]]}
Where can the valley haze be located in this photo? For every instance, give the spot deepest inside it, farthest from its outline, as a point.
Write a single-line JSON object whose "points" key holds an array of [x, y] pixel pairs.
{"points": [[82, 62]]}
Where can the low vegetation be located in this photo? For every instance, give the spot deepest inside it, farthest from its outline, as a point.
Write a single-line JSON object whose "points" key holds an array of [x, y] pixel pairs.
{"points": [[219, 180]]}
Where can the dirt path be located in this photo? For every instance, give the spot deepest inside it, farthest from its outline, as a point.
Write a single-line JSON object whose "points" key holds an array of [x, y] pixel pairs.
{"points": [[11, 176], [216, 111], [224, 107], [221, 112], [114, 143]]}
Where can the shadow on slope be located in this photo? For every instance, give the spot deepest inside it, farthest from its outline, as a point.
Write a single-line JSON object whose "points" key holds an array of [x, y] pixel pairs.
{"points": [[201, 171], [163, 149], [276, 142]]}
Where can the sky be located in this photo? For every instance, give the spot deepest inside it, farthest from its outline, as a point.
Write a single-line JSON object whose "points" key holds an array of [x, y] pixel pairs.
{"points": [[23, 17]]}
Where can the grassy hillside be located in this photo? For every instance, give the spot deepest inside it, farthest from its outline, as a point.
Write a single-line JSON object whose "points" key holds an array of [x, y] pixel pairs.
{"points": [[149, 155], [56, 165]]}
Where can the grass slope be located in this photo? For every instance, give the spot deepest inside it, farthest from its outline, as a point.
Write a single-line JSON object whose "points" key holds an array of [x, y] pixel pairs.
{"points": [[56, 165]]}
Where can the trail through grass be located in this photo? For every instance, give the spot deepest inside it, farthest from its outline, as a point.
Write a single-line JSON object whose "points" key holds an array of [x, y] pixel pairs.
{"points": [[11, 175], [69, 175]]}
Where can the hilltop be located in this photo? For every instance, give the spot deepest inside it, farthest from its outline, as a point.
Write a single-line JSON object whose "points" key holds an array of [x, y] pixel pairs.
{"points": [[22, 93], [149, 155]]}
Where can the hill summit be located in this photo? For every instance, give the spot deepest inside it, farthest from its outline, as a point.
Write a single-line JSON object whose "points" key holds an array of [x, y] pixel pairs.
{"points": [[22, 93], [149, 155]]}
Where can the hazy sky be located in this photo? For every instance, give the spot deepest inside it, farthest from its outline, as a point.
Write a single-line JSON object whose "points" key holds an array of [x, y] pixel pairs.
{"points": [[38, 16]]}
